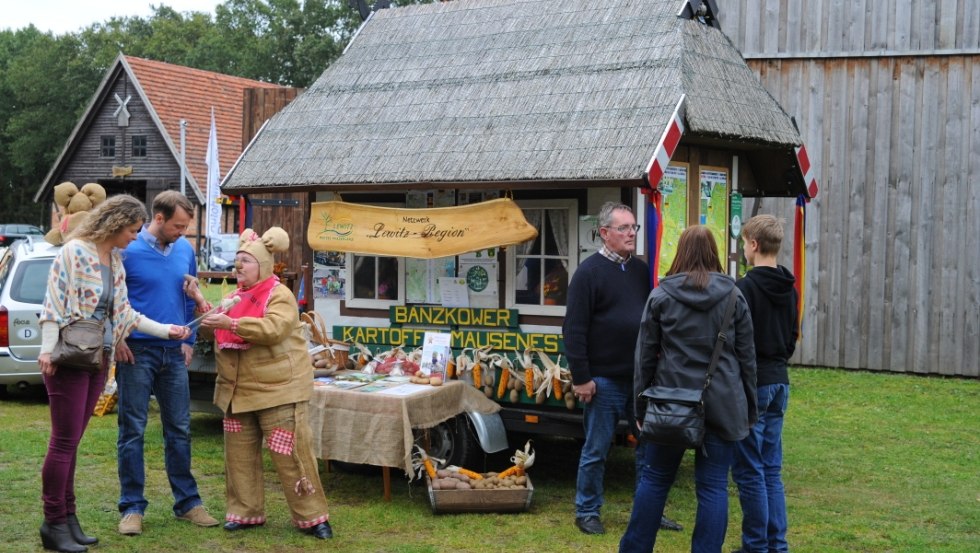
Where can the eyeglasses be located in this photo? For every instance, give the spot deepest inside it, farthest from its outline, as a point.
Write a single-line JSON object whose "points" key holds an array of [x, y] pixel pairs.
{"points": [[245, 261], [625, 228]]}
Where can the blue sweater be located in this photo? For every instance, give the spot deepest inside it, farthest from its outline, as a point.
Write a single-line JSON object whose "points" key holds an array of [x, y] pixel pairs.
{"points": [[602, 318], [156, 285]]}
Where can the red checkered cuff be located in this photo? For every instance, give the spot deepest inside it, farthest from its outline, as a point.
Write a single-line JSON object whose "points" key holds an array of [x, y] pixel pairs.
{"points": [[232, 425]]}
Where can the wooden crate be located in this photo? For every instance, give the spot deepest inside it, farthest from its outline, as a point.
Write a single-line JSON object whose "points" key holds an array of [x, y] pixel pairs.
{"points": [[480, 501]]}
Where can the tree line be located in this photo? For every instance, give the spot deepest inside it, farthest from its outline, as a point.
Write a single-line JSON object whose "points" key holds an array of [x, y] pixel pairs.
{"points": [[47, 80]]}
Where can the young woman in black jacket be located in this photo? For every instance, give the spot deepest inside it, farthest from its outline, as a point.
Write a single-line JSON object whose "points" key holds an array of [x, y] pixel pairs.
{"points": [[680, 323]]}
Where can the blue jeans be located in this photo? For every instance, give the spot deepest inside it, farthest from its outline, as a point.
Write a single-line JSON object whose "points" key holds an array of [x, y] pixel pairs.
{"points": [[758, 473], [711, 465], [612, 401], [162, 372]]}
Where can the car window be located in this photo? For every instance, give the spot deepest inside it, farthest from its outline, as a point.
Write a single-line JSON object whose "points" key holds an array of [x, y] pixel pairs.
{"points": [[226, 245], [30, 281], [6, 262]]}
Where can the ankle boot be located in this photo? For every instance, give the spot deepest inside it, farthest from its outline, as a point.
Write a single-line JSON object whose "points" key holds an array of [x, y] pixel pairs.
{"points": [[56, 537], [77, 534]]}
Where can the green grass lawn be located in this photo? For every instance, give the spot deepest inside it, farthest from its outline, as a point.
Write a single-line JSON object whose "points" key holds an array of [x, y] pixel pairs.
{"points": [[873, 463]]}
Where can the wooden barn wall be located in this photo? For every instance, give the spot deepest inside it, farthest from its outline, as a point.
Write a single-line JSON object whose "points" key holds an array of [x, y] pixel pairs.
{"points": [[86, 164], [887, 97], [259, 105]]}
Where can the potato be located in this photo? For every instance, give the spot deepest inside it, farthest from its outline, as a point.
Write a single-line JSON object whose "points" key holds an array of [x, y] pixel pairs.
{"points": [[515, 396], [463, 485], [435, 380]]}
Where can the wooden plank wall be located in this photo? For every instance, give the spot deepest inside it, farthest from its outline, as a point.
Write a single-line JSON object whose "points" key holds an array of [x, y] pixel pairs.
{"points": [[887, 97], [260, 104]]}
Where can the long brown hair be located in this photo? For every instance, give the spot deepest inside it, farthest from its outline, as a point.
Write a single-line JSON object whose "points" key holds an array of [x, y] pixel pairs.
{"points": [[697, 255]]}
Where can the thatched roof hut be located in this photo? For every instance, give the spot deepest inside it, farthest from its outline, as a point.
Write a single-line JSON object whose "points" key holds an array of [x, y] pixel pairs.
{"points": [[520, 94]]}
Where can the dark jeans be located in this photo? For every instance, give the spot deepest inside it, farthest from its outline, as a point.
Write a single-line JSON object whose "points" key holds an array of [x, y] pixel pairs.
{"points": [[159, 371], [758, 473], [72, 395], [611, 402], [711, 466]]}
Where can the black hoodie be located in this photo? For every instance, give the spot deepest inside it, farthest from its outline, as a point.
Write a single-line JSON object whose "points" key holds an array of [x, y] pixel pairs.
{"points": [[773, 302]]}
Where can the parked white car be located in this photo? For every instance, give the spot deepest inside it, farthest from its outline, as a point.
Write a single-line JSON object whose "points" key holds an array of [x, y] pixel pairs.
{"points": [[24, 269]]}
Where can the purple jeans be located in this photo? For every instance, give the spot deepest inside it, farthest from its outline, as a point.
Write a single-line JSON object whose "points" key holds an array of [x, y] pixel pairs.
{"points": [[72, 395]]}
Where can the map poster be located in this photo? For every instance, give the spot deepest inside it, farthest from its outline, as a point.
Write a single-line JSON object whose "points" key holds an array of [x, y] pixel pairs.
{"points": [[673, 187], [714, 206], [422, 275]]}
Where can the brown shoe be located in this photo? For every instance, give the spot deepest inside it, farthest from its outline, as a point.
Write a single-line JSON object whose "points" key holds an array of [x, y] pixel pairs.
{"points": [[131, 524], [199, 516]]}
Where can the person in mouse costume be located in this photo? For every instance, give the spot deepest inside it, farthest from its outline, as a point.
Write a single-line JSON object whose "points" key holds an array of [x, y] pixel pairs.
{"points": [[74, 206], [263, 387]]}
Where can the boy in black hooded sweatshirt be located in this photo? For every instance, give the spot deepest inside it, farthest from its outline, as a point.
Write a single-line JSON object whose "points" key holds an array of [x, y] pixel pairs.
{"points": [[772, 299]]}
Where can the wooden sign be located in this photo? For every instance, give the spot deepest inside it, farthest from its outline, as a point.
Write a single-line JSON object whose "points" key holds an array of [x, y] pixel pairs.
{"points": [[417, 233]]}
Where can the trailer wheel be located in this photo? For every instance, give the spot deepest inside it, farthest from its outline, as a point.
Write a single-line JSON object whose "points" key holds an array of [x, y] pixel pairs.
{"points": [[452, 441]]}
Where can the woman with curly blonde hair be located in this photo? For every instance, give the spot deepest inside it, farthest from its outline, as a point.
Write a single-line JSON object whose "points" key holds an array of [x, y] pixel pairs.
{"points": [[87, 281]]}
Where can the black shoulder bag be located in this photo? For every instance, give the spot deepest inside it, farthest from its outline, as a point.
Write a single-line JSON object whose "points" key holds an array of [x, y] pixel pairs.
{"points": [[675, 416]]}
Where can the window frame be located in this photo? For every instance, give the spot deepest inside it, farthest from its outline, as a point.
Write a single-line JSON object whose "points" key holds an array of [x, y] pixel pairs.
{"points": [[569, 204], [365, 303], [107, 146], [141, 149]]}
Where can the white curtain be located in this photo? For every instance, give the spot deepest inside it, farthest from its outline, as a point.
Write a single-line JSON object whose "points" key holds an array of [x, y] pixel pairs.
{"points": [[534, 218], [559, 226]]}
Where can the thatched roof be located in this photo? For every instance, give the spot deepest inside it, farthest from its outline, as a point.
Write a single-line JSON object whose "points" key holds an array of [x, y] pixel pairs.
{"points": [[511, 91]]}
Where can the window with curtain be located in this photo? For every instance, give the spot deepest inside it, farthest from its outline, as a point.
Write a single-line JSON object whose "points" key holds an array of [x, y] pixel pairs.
{"points": [[375, 281], [537, 281]]}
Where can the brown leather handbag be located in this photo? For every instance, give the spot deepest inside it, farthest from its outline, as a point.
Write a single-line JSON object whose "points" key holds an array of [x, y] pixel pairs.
{"points": [[80, 346]]}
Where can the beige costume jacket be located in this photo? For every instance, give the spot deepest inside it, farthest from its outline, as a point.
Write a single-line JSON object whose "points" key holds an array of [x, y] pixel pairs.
{"points": [[275, 370]]}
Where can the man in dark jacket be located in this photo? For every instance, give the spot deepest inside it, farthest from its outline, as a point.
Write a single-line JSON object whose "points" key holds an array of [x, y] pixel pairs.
{"points": [[605, 303], [768, 289]]}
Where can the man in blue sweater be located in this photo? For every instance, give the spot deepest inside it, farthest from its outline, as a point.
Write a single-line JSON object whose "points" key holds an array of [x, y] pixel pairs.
{"points": [[605, 304], [156, 263]]}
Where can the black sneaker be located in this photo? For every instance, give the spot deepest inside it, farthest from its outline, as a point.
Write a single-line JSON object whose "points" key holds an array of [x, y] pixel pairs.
{"points": [[667, 524], [590, 525]]}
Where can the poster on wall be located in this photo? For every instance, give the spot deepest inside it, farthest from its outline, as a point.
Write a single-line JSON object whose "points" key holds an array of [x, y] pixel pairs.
{"points": [[481, 282], [422, 275], [329, 275], [329, 283], [588, 236], [714, 205], [453, 293], [673, 187]]}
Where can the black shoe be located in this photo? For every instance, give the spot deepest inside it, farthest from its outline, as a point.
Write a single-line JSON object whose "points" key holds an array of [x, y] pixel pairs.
{"points": [[590, 525], [232, 526], [56, 537], [667, 524], [77, 534], [321, 531]]}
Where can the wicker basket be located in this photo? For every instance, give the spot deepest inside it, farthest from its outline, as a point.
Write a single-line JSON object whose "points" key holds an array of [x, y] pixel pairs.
{"points": [[337, 351]]}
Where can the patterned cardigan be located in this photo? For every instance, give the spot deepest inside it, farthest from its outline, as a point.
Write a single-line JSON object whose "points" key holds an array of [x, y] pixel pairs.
{"points": [[75, 285]]}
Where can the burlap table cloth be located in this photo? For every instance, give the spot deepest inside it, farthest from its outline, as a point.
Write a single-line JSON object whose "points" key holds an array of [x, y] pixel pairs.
{"points": [[376, 429]]}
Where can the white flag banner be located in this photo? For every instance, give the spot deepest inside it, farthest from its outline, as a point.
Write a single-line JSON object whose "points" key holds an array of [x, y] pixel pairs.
{"points": [[213, 209]]}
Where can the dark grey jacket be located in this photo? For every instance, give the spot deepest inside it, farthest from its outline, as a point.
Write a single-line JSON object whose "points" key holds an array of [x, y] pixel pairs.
{"points": [[677, 335]]}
